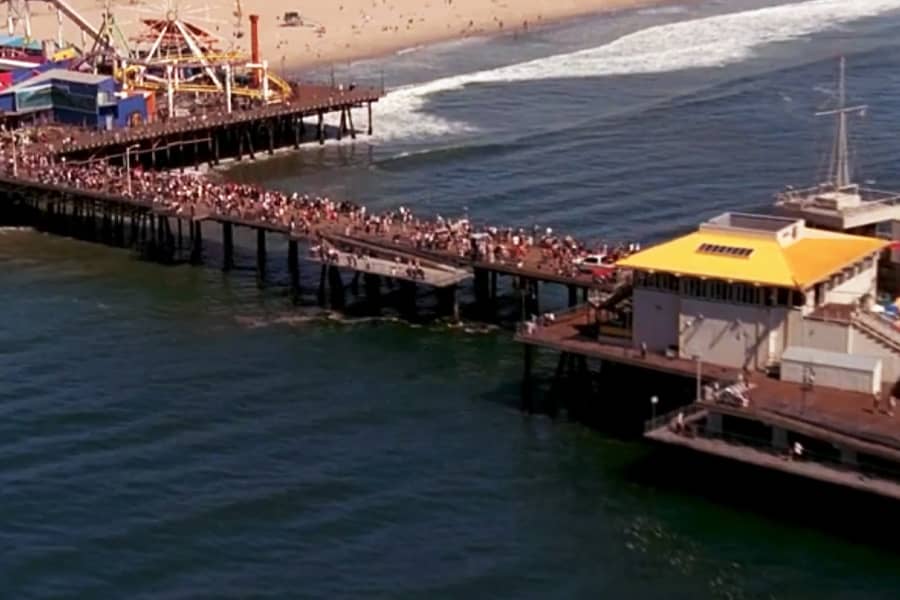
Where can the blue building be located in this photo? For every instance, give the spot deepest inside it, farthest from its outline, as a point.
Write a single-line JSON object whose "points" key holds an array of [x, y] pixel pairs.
{"points": [[75, 98]]}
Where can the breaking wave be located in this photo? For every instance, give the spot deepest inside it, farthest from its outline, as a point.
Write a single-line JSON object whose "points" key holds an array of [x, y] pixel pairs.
{"points": [[707, 42]]}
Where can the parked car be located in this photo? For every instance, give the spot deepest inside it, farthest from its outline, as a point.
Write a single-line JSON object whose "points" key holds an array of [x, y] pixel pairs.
{"points": [[587, 264]]}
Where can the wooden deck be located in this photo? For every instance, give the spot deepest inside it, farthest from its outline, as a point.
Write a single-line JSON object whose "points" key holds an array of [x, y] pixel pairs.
{"points": [[825, 413], [393, 243], [309, 100]]}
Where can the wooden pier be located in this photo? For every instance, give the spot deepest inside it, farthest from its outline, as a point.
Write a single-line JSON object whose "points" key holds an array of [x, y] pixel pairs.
{"points": [[844, 438], [213, 136], [165, 235]]}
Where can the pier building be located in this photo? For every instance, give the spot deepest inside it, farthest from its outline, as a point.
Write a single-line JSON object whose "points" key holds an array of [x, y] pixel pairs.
{"points": [[773, 323], [72, 97], [742, 288]]}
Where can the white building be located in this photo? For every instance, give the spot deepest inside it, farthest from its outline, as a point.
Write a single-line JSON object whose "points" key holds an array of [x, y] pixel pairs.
{"points": [[743, 288]]}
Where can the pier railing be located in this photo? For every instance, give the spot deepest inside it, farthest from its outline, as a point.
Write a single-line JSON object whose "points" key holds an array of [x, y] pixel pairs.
{"points": [[859, 468], [689, 413]]}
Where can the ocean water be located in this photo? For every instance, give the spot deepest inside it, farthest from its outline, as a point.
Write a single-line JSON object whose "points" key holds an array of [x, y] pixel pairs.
{"points": [[175, 432]]}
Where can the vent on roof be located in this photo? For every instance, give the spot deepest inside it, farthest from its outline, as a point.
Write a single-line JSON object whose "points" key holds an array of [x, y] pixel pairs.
{"points": [[725, 250]]}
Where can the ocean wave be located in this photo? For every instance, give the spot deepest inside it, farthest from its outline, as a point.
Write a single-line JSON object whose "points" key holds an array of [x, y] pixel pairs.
{"points": [[707, 42]]}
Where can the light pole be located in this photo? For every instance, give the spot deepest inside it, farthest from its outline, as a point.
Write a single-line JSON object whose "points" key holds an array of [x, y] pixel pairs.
{"points": [[654, 400], [128, 165]]}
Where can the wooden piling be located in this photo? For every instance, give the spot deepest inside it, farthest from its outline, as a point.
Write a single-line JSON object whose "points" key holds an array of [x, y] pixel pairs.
{"points": [[260, 256]]}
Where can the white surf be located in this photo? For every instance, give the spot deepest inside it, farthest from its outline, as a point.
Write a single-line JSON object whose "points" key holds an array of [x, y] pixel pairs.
{"points": [[708, 42]]}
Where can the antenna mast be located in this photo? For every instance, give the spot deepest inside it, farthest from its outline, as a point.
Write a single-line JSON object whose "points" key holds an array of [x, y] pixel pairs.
{"points": [[839, 168]]}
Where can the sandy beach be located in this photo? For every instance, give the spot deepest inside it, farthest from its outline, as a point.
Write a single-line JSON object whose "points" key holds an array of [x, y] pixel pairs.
{"points": [[338, 30]]}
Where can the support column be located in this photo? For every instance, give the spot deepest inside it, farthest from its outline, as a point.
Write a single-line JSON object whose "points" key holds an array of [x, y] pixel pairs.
{"points": [[321, 128], [250, 150], [228, 246], [370, 118], [336, 285], [294, 267], [197, 245], [453, 299], [714, 425], [323, 285], [408, 293], [573, 295], [350, 124], [372, 284], [260, 256]]}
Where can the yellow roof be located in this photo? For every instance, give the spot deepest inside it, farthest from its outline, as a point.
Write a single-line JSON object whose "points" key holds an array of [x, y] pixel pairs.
{"points": [[755, 259]]}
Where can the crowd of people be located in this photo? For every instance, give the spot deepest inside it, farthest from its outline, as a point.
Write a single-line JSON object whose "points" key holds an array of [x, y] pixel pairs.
{"points": [[192, 194]]}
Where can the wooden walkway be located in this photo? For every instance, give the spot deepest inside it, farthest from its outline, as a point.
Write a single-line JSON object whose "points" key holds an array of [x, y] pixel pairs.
{"points": [[386, 245]]}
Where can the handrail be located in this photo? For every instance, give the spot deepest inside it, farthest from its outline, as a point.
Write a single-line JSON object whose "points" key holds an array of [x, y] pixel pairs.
{"points": [[767, 445], [873, 326], [691, 410]]}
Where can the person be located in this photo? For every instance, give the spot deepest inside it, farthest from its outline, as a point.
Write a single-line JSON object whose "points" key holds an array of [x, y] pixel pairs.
{"points": [[797, 450]]}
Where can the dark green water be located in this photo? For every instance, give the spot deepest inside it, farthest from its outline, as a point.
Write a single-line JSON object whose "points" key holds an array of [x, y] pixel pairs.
{"points": [[174, 432]]}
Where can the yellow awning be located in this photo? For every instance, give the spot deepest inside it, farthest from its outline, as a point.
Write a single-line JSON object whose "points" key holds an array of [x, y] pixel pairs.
{"points": [[755, 259]]}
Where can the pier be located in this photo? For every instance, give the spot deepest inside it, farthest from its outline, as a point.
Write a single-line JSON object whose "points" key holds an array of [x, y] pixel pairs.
{"points": [[211, 135], [123, 188]]}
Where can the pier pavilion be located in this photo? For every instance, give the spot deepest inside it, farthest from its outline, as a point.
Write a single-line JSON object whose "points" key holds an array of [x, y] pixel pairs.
{"points": [[771, 320]]}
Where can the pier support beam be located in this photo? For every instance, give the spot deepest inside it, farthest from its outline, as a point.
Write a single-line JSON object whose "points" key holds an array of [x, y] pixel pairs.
{"points": [[228, 245], [336, 288], [372, 285], [449, 300], [294, 268], [321, 128], [408, 295], [350, 124], [197, 243], [369, 105], [260, 256], [573, 295]]}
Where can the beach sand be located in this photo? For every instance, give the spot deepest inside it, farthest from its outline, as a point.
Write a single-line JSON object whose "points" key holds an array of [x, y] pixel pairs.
{"points": [[338, 31]]}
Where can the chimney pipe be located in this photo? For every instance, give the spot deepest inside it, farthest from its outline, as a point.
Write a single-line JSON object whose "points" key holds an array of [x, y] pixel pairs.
{"points": [[254, 46]]}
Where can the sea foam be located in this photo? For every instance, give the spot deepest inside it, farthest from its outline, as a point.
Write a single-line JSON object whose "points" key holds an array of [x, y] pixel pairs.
{"points": [[708, 42]]}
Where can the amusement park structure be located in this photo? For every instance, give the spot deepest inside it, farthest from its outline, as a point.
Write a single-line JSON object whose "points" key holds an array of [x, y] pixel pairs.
{"points": [[168, 55]]}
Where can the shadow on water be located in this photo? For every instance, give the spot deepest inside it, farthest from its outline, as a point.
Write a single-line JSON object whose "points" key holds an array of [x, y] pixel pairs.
{"points": [[794, 501], [616, 409]]}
